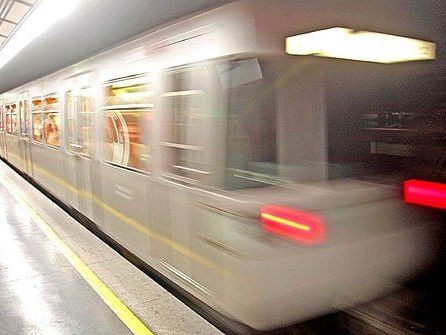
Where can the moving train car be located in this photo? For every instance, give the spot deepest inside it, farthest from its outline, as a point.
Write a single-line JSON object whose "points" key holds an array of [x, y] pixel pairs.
{"points": [[204, 149]]}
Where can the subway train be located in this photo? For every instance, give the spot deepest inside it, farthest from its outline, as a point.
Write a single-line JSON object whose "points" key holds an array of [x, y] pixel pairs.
{"points": [[220, 161]]}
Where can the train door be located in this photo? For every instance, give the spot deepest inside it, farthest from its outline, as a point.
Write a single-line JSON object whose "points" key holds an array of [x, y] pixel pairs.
{"points": [[186, 161], [78, 141], [2, 131], [127, 110], [71, 107], [24, 138], [12, 133]]}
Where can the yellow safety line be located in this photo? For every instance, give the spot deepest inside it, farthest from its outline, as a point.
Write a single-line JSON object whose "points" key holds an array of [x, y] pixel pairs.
{"points": [[117, 306], [134, 224]]}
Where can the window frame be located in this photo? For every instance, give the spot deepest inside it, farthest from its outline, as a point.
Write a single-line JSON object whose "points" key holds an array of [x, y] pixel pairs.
{"points": [[167, 141], [73, 146], [24, 116], [90, 146], [43, 112], [34, 112], [2, 121], [147, 108], [57, 111], [9, 116]]}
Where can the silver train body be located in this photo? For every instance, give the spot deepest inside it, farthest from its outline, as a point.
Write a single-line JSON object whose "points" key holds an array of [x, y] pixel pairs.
{"points": [[137, 139]]}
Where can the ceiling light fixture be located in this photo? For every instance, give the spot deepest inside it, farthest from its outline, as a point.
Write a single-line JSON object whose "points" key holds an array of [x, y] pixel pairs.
{"points": [[364, 46], [46, 13]]}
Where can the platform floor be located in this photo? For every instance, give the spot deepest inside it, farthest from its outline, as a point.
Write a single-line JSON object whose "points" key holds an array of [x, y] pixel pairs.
{"points": [[42, 293]]}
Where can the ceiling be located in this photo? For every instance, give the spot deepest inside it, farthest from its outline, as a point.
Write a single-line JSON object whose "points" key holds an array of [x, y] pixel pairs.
{"points": [[96, 25], [12, 13], [93, 26]]}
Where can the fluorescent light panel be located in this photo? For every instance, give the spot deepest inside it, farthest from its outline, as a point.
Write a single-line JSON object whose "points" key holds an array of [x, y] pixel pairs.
{"points": [[17, 12], [46, 13], [364, 46]]}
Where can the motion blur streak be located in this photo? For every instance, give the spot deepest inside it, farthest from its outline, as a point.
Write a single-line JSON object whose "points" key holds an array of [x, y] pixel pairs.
{"points": [[425, 193], [285, 222], [360, 45], [306, 228], [243, 174], [136, 225]]}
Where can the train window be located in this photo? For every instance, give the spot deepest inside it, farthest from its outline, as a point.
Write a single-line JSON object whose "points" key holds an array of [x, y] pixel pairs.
{"points": [[254, 107], [85, 126], [183, 105], [51, 103], [128, 110], [136, 91], [2, 127], [125, 138], [276, 123], [71, 122], [6, 118], [12, 126], [79, 121], [52, 129], [293, 122], [38, 127], [36, 105], [52, 120], [38, 120], [24, 118]]}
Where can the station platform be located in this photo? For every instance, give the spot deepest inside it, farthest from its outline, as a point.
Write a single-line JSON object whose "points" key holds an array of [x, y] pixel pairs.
{"points": [[58, 278]]}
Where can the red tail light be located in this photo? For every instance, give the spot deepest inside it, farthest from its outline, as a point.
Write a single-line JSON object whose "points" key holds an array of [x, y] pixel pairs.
{"points": [[306, 228], [425, 193]]}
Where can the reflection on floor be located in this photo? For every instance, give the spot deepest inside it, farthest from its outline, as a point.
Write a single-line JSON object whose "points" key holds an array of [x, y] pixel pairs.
{"points": [[41, 293]]}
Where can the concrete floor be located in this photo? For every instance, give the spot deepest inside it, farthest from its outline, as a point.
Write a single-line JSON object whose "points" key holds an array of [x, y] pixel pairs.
{"points": [[41, 293]]}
